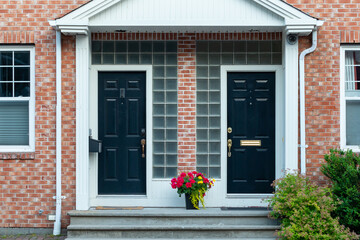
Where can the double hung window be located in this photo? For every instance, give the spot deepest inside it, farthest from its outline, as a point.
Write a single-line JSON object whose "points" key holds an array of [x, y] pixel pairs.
{"points": [[350, 80], [17, 98]]}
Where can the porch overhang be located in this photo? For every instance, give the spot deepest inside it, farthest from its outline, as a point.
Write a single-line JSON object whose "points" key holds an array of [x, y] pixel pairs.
{"points": [[186, 16]]}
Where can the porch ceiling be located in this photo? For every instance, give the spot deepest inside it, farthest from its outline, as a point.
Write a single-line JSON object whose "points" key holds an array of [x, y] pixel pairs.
{"points": [[186, 15]]}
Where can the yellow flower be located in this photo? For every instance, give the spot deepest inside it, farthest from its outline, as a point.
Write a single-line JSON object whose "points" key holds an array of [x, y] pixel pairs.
{"points": [[213, 180], [200, 182], [199, 177]]}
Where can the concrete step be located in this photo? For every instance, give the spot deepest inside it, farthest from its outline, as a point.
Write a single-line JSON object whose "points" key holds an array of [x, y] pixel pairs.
{"points": [[263, 238], [168, 223], [171, 217]]}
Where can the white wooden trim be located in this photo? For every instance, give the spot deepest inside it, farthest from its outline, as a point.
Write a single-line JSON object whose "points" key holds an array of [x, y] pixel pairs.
{"points": [[218, 195], [121, 200], [82, 121], [31, 100], [343, 99], [291, 63], [79, 20]]}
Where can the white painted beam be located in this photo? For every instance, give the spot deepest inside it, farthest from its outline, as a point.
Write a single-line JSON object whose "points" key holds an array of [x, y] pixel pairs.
{"points": [[82, 121], [291, 104]]}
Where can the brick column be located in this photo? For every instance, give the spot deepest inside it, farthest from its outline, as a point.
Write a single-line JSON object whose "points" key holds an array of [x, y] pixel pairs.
{"points": [[186, 102]]}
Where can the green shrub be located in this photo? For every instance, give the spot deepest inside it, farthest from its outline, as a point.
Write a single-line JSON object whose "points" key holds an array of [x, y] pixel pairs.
{"points": [[342, 168], [305, 210]]}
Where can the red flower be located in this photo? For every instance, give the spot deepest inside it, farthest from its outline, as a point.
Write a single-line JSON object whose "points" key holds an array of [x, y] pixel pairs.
{"points": [[194, 172], [181, 180], [173, 185], [190, 175], [188, 185], [173, 180], [192, 181], [179, 184], [206, 180], [183, 175]]}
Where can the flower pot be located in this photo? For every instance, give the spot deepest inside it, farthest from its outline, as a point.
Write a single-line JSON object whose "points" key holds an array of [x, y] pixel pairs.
{"points": [[188, 203]]}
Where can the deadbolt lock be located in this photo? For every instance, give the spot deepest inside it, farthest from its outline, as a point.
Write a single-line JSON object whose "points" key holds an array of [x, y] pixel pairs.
{"points": [[229, 130]]}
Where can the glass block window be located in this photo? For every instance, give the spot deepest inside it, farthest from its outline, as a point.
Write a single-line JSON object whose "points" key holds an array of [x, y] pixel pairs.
{"points": [[162, 55], [16, 98], [210, 55], [352, 96]]}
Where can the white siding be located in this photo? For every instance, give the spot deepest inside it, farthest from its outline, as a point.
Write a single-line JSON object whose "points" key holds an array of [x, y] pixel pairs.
{"points": [[186, 13]]}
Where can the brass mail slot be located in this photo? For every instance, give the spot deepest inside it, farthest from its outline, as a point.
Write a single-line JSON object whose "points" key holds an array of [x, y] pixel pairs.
{"points": [[250, 142]]}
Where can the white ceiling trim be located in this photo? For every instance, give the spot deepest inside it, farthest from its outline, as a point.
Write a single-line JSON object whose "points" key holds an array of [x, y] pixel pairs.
{"points": [[295, 21]]}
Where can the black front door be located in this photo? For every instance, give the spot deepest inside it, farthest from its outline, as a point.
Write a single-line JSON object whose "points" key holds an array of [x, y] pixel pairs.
{"points": [[121, 107], [251, 132]]}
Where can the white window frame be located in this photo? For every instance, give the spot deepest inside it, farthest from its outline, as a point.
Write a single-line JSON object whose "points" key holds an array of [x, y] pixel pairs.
{"points": [[31, 100], [343, 98]]}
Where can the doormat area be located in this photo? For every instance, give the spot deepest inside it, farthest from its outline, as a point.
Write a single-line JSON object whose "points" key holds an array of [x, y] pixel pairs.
{"points": [[244, 208], [119, 208]]}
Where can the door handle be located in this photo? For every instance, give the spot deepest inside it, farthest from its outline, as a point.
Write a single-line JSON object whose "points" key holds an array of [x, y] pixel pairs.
{"points": [[229, 143], [143, 142]]}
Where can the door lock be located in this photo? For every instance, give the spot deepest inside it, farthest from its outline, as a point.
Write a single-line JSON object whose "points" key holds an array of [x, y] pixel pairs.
{"points": [[229, 130], [143, 141], [229, 143]]}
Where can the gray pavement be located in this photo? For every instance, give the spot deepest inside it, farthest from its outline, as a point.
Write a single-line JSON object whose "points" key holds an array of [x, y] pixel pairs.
{"points": [[32, 237]]}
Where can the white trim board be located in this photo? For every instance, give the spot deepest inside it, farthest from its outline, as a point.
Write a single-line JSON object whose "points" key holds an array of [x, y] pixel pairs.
{"points": [[158, 191], [136, 15], [218, 195]]}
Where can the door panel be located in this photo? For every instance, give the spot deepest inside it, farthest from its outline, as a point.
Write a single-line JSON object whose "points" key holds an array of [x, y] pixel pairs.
{"points": [[251, 115], [122, 117]]}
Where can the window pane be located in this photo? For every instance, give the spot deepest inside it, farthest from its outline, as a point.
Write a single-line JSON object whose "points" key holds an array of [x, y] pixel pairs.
{"points": [[14, 123], [352, 122], [5, 58], [352, 72], [6, 74], [22, 73], [109, 46], [6, 89], [22, 89], [22, 58]]}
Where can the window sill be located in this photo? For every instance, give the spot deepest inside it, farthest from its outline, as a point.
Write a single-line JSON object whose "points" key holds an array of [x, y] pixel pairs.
{"points": [[17, 156], [355, 149]]}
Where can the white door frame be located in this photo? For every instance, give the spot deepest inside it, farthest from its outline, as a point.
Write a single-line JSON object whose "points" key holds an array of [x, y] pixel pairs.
{"points": [[221, 197], [121, 200]]}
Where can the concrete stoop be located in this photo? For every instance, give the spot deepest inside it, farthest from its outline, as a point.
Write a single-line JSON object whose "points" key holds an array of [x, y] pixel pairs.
{"points": [[171, 223]]}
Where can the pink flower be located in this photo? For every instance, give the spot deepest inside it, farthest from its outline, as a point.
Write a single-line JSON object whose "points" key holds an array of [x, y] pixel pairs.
{"points": [[188, 185], [181, 180], [179, 184], [173, 185], [192, 181], [190, 175], [183, 175], [173, 180]]}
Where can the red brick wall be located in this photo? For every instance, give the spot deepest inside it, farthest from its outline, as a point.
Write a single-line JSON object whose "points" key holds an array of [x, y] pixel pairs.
{"points": [[186, 102], [28, 180], [322, 79]]}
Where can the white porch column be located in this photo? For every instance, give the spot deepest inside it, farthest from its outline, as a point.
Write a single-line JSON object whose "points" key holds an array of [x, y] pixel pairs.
{"points": [[82, 121], [291, 104]]}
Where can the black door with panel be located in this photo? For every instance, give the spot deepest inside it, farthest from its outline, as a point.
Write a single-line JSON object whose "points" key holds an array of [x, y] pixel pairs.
{"points": [[122, 122], [251, 132]]}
